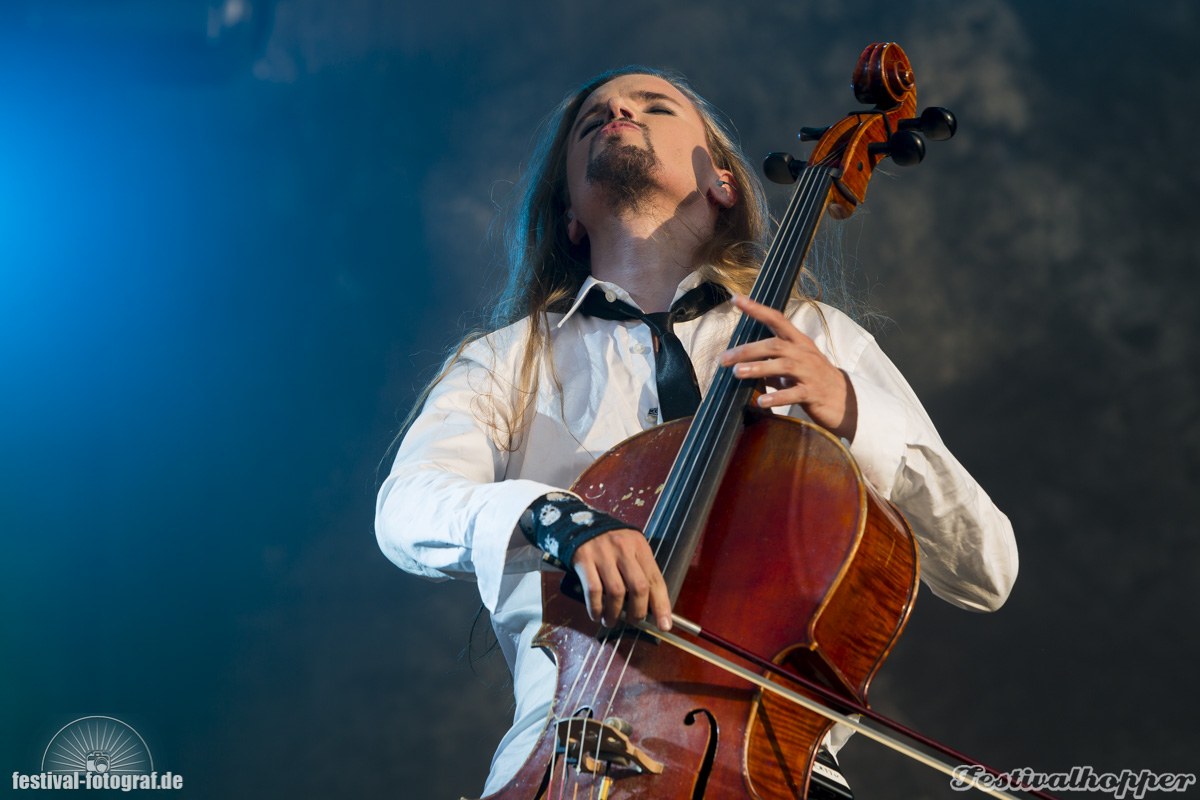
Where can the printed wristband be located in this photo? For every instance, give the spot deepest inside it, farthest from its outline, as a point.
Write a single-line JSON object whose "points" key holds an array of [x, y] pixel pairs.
{"points": [[557, 523]]}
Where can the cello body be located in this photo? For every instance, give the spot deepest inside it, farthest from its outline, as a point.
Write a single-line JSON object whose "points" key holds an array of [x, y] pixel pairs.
{"points": [[800, 562]]}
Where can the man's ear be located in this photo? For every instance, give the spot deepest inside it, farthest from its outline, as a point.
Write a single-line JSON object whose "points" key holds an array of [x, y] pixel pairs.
{"points": [[723, 192], [575, 230]]}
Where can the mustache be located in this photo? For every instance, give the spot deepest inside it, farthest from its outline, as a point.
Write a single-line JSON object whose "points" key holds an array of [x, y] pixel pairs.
{"points": [[597, 141]]}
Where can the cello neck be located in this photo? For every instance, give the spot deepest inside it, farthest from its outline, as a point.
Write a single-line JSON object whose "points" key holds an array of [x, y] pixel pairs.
{"points": [[679, 517]]}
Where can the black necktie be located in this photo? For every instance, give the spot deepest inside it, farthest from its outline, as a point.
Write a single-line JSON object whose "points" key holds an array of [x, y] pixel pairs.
{"points": [[678, 391]]}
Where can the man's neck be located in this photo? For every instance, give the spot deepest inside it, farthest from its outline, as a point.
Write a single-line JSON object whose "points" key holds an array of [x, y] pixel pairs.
{"points": [[648, 253]]}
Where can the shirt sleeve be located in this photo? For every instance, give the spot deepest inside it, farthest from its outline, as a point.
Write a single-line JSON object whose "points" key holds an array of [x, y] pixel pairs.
{"points": [[445, 510], [968, 551]]}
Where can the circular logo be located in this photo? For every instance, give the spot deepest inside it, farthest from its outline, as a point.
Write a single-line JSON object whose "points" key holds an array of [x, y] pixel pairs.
{"points": [[98, 745]]}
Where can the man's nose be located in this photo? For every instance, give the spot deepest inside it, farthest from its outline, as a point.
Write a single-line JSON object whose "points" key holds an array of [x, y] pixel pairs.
{"points": [[620, 108]]}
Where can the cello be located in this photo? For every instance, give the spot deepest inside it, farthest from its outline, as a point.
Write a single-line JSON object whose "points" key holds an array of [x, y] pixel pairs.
{"points": [[642, 714]]}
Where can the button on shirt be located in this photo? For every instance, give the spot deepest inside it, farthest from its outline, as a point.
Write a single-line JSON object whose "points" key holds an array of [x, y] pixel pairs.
{"points": [[449, 507]]}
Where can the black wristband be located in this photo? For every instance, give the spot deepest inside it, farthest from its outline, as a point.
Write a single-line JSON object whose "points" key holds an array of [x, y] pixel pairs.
{"points": [[557, 523]]}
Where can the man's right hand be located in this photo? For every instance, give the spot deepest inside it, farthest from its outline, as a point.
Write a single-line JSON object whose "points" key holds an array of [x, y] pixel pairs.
{"points": [[618, 571]]}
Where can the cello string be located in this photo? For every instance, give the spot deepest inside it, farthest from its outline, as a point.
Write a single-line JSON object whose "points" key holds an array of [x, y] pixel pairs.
{"points": [[612, 700], [672, 502], [697, 453], [714, 410], [612, 642], [614, 649], [692, 458], [592, 658], [574, 697], [802, 203], [615, 638], [811, 197], [596, 659], [617, 683]]}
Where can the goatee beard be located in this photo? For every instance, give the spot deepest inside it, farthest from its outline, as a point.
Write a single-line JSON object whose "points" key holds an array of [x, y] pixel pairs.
{"points": [[625, 173]]}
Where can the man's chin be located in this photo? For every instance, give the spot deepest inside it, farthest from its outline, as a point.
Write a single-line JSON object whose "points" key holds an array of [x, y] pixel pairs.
{"points": [[624, 173]]}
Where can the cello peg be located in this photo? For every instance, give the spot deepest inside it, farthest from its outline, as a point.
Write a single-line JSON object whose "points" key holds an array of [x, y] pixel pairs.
{"points": [[905, 148], [781, 168], [935, 122], [812, 134]]}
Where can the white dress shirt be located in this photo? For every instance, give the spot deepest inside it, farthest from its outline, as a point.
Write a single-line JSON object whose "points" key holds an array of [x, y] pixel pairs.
{"points": [[449, 507]]}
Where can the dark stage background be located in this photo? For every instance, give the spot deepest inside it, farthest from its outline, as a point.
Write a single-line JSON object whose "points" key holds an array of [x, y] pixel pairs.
{"points": [[236, 237]]}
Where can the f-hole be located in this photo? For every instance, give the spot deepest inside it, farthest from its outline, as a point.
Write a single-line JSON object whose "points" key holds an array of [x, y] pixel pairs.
{"points": [[710, 752]]}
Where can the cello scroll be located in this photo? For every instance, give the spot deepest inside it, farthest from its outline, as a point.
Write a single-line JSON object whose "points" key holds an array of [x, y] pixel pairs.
{"points": [[855, 145]]}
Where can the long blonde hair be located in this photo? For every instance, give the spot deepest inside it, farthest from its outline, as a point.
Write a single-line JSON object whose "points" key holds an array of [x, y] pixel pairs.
{"points": [[545, 270]]}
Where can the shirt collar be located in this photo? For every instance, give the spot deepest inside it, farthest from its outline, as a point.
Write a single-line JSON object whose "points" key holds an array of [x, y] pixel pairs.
{"points": [[691, 281]]}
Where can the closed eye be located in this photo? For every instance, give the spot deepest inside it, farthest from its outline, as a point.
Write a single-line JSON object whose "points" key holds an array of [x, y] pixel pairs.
{"points": [[655, 103]]}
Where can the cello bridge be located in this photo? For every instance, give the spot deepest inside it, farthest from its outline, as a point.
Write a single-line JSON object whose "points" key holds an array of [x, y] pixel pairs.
{"points": [[595, 746]]}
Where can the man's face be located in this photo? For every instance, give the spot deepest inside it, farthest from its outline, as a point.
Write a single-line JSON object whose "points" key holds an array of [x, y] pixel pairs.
{"points": [[633, 136]]}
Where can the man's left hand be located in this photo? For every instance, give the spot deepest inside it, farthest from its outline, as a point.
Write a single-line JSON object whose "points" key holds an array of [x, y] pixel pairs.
{"points": [[790, 363]]}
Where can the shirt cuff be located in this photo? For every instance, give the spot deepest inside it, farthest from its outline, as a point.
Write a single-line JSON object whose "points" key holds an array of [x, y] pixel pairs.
{"points": [[498, 546]]}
